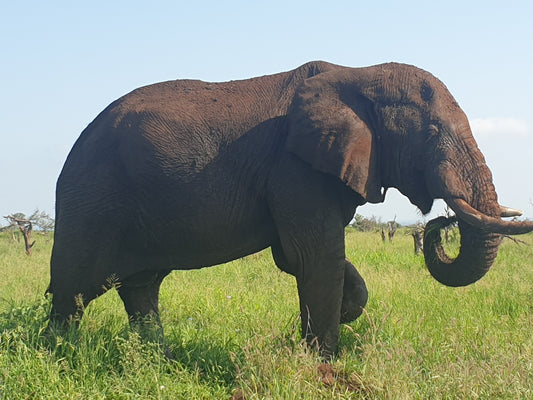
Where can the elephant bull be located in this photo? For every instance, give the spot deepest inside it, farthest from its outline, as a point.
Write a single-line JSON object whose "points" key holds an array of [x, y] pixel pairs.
{"points": [[186, 174]]}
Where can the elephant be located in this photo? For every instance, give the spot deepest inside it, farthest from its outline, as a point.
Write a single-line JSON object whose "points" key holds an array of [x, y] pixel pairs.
{"points": [[187, 174]]}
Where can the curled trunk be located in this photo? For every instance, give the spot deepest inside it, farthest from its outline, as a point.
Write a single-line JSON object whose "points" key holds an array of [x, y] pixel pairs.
{"points": [[478, 251], [480, 239]]}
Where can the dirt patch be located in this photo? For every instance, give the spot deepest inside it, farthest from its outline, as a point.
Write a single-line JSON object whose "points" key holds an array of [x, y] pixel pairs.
{"points": [[330, 377], [237, 395]]}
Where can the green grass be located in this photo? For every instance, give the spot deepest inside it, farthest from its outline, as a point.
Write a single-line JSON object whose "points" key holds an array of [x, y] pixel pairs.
{"points": [[234, 331]]}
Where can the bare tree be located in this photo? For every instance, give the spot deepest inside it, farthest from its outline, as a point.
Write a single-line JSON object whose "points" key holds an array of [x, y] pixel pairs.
{"points": [[26, 227], [418, 239], [392, 228]]}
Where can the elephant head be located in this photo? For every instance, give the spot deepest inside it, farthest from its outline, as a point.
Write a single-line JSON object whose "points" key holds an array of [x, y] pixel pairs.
{"points": [[395, 125]]}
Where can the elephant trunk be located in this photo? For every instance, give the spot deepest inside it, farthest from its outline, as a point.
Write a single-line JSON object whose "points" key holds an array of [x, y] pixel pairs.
{"points": [[481, 229], [478, 251]]}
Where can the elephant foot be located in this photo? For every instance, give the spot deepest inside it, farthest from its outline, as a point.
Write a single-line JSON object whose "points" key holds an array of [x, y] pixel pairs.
{"points": [[355, 294]]}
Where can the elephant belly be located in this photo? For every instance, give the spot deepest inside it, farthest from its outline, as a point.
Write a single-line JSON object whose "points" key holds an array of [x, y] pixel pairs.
{"points": [[204, 231], [219, 244]]}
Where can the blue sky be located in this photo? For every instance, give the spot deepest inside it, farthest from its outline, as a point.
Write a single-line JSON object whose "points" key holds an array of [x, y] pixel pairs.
{"points": [[63, 62]]}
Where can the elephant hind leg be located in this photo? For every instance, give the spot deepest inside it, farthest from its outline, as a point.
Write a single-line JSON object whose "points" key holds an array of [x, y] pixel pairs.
{"points": [[355, 294], [140, 294], [68, 305]]}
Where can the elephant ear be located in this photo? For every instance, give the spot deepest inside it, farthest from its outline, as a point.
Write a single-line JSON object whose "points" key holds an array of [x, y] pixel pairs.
{"points": [[332, 138]]}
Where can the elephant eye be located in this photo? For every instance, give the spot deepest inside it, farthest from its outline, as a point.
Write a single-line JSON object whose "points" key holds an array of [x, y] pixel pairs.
{"points": [[432, 133], [433, 130]]}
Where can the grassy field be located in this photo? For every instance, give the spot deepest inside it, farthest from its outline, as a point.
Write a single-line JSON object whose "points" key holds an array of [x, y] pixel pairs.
{"points": [[234, 333]]}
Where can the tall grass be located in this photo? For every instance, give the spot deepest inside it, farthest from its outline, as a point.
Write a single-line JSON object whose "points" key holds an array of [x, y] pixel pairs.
{"points": [[233, 332]]}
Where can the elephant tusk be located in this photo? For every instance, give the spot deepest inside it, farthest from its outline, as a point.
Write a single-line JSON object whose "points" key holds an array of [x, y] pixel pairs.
{"points": [[507, 212], [470, 215]]}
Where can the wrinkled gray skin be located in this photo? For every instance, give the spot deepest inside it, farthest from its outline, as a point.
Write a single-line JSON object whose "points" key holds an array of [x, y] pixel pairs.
{"points": [[187, 174]]}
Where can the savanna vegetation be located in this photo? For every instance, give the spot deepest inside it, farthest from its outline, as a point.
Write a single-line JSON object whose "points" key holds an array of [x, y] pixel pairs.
{"points": [[233, 332]]}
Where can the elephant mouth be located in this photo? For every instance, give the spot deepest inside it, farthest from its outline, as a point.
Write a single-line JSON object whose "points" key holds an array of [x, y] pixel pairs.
{"points": [[480, 238]]}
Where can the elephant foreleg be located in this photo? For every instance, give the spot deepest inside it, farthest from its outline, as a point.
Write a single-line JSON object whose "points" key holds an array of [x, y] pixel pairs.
{"points": [[354, 298], [320, 307], [309, 211]]}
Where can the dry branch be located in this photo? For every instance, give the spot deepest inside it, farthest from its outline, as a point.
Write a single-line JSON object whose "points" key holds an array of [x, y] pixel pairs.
{"points": [[517, 241], [26, 227]]}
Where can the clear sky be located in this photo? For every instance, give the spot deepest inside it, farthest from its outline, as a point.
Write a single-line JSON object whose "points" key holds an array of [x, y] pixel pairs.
{"points": [[62, 62]]}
